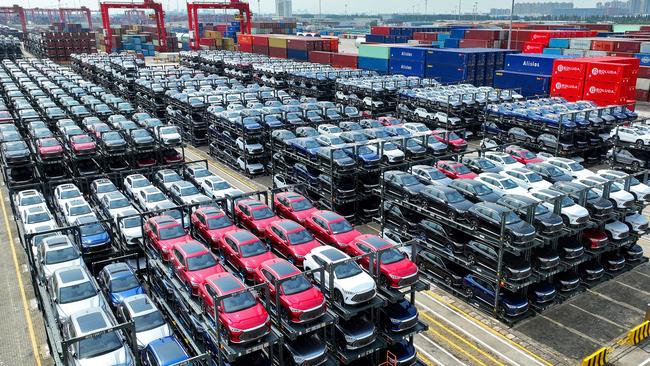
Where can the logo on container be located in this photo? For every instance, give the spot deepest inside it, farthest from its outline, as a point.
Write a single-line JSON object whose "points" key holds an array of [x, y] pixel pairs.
{"points": [[563, 68], [645, 59], [531, 63], [596, 90], [559, 86], [596, 71]]}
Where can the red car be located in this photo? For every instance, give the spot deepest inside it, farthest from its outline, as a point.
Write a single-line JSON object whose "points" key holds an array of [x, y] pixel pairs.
{"points": [[49, 148], [244, 250], [291, 239], [455, 170], [594, 239], [300, 301], [6, 117], [291, 205], [163, 232], [331, 228], [210, 223], [450, 138], [171, 156], [82, 145], [522, 155], [242, 315], [145, 162], [254, 215], [192, 263], [98, 128], [389, 121], [396, 269]]}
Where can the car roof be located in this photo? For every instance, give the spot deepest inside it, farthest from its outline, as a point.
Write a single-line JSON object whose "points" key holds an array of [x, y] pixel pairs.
{"points": [[226, 283], [71, 275], [330, 254], [89, 320], [288, 225], [139, 304], [242, 235], [492, 175], [192, 247], [118, 269], [493, 206], [282, 268]]}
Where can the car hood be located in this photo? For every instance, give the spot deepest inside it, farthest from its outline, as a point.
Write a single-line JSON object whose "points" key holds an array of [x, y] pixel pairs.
{"points": [[303, 249], [403, 268], [146, 337], [490, 197], [200, 275], [305, 300], [130, 233], [51, 268], [543, 184], [119, 357], [256, 261], [636, 219], [576, 210], [65, 310], [345, 238], [522, 228], [247, 318], [617, 227], [84, 145], [462, 206]]}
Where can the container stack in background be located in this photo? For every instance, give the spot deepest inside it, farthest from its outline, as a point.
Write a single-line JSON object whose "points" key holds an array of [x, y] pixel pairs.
{"points": [[286, 46], [529, 73], [390, 34], [139, 39], [273, 27], [58, 46], [604, 80], [374, 57], [465, 65]]}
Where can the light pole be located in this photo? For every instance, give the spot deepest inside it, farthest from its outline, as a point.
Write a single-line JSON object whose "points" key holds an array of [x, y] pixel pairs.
{"points": [[459, 4], [512, 11]]}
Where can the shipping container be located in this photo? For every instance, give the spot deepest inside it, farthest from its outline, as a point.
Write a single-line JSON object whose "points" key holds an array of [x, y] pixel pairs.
{"points": [[408, 68], [376, 64], [570, 89], [344, 60], [417, 54], [529, 84], [297, 54], [320, 57], [533, 64], [611, 93], [374, 51]]}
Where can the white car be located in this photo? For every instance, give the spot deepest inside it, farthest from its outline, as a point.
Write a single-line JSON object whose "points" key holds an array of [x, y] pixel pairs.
{"points": [[637, 223], [616, 230], [198, 173], [166, 177], [28, 198], [64, 193], [370, 103], [129, 224], [423, 113], [504, 160], [109, 348], [618, 196], [73, 290], [390, 152], [526, 178], [56, 252], [631, 135], [488, 143], [430, 175], [570, 167], [329, 129], [216, 188], [251, 146], [572, 213], [169, 135], [417, 129], [149, 322], [442, 117], [75, 209], [250, 167], [102, 186], [134, 183], [114, 202], [640, 190], [149, 197], [37, 216], [186, 193], [500, 183], [352, 285]]}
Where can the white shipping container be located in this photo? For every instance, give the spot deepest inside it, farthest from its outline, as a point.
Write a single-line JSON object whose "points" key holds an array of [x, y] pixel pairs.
{"points": [[591, 53], [643, 84], [645, 47], [580, 43], [573, 52]]}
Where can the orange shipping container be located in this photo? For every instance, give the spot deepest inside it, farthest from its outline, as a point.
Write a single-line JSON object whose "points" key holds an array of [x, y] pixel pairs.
{"points": [[245, 39]]}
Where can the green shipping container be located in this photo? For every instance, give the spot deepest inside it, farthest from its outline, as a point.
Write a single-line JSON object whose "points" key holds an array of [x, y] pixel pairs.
{"points": [[374, 51]]}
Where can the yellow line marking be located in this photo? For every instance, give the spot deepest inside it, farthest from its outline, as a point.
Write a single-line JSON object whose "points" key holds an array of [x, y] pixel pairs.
{"points": [[538, 358], [424, 359], [459, 348], [23, 296], [209, 158], [460, 338]]}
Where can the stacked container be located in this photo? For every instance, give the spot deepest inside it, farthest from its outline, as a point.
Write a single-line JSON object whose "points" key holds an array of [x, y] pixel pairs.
{"points": [[464, 65], [58, 46], [374, 57], [409, 61], [527, 72]]}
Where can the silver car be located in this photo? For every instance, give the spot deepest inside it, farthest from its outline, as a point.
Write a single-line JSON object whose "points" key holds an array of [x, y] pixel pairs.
{"points": [[56, 252], [149, 322], [617, 230], [72, 290]]}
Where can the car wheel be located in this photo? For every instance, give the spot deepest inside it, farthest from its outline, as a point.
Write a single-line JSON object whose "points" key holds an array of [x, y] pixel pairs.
{"points": [[338, 297], [383, 281], [448, 281], [639, 143], [635, 165], [508, 239], [471, 258], [468, 292], [565, 220], [452, 215], [473, 223]]}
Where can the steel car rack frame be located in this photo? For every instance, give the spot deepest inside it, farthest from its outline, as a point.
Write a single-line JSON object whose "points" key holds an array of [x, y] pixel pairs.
{"points": [[634, 167]]}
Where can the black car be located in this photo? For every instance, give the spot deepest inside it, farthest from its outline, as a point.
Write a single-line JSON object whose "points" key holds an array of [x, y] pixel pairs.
{"points": [[475, 191], [591, 271], [570, 248], [452, 240], [402, 217], [355, 333], [613, 261], [515, 268], [546, 258], [337, 157], [549, 172], [490, 215], [542, 293], [481, 165], [633, 253], [595, 204], [545, 221], [112, 141], [15, 152], [567, 282], [306, 350], [451, 273], [140, 138], [402, 183], [413, 148], [282, 136], [446, 199]]}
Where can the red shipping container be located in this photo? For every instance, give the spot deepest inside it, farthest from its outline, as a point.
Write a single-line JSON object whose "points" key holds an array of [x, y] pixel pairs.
{"points": [[278, 52], [244, 39], [262, 50], [344, 60], [383, 30], [609, 72], [320, 57], [569, 68], [642, 95], [571, 89], [207, 42], [334, 45], [540, 37], [530, 47], [611, 93], [246, 48], [602, 45], [260, 40], [644, 72], [627, 46]]}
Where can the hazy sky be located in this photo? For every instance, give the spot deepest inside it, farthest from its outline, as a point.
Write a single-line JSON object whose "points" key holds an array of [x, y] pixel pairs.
{"points": [[329, 6]]}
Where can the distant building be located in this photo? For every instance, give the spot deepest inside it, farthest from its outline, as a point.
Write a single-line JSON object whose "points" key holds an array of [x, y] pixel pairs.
{"points": [[538, 9], [499, 12], [283, 8], [638, 7]]}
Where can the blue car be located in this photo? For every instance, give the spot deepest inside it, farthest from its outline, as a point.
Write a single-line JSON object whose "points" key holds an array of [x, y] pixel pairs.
{"points": [[399, 316], [553, 121], [306, 146], [92, 234], [272, 121], [118, 281], [250, 124], [404, 352], [520, 113], [542, 293], [364, 155], [165, 351], [397, 131], [510, 305], [306, 173], [493, 128]]}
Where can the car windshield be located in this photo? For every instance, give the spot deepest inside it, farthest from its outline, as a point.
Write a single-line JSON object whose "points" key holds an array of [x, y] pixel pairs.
{"points": [[199, 262], [508, 184], [172, 232], [31, 200], [301, 205], [591, 195], [49, 142], [346, 270], [253, 249], [541, 210], [125, 283], [91, 229], [148, 321], [296, 285], [79, 210], [534, 177], [508, 159], [311, 144], [300, 237], [119, 203], [482, 189], [461, 169], [61, 255], [131, 222], [512, 218], [189, 191], [554, 172], [567, 202], [409, 180], [340, 227], [139, 183], [528, 155], [239, 302], [485, 164], [76, 292], [168, 130], [454, 197], [200, 173], [262, 213], [219, 222], [99, 345], [82, 139], [156, 197], [38, 217], [391, 255], [140, 133], [220, 185], [388, 146], [576, 167]]}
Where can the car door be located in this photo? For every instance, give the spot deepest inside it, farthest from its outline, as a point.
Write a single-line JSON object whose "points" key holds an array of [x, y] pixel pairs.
{"points": [[320, 228], [178, 262], [485, 291], [245, 215], [231, 252], [270, 280], [282, 208], [201, 224]]}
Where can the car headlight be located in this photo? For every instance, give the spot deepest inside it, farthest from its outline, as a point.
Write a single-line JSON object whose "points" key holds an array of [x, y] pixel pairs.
{"points": [[294, 310], [349, 339], [235, 330], [395, 277], [249, 269]]}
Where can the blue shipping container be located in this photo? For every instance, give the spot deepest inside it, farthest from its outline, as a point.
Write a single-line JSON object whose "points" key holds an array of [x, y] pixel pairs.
{"points": [[450, 73], [408, 53], [297, 54], [541, 64], [450, 56], [644, 57], [558, 43], [408, 68], [458, 33], [396, 31], [529, 84], [375, 38], [452, 43], [552, 51], [375, 64]]}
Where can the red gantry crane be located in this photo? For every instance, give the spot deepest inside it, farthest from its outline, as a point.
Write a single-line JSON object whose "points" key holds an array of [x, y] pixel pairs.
{"points": [[245, 17], [159, 15], [65, 12], [16, 9]]}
